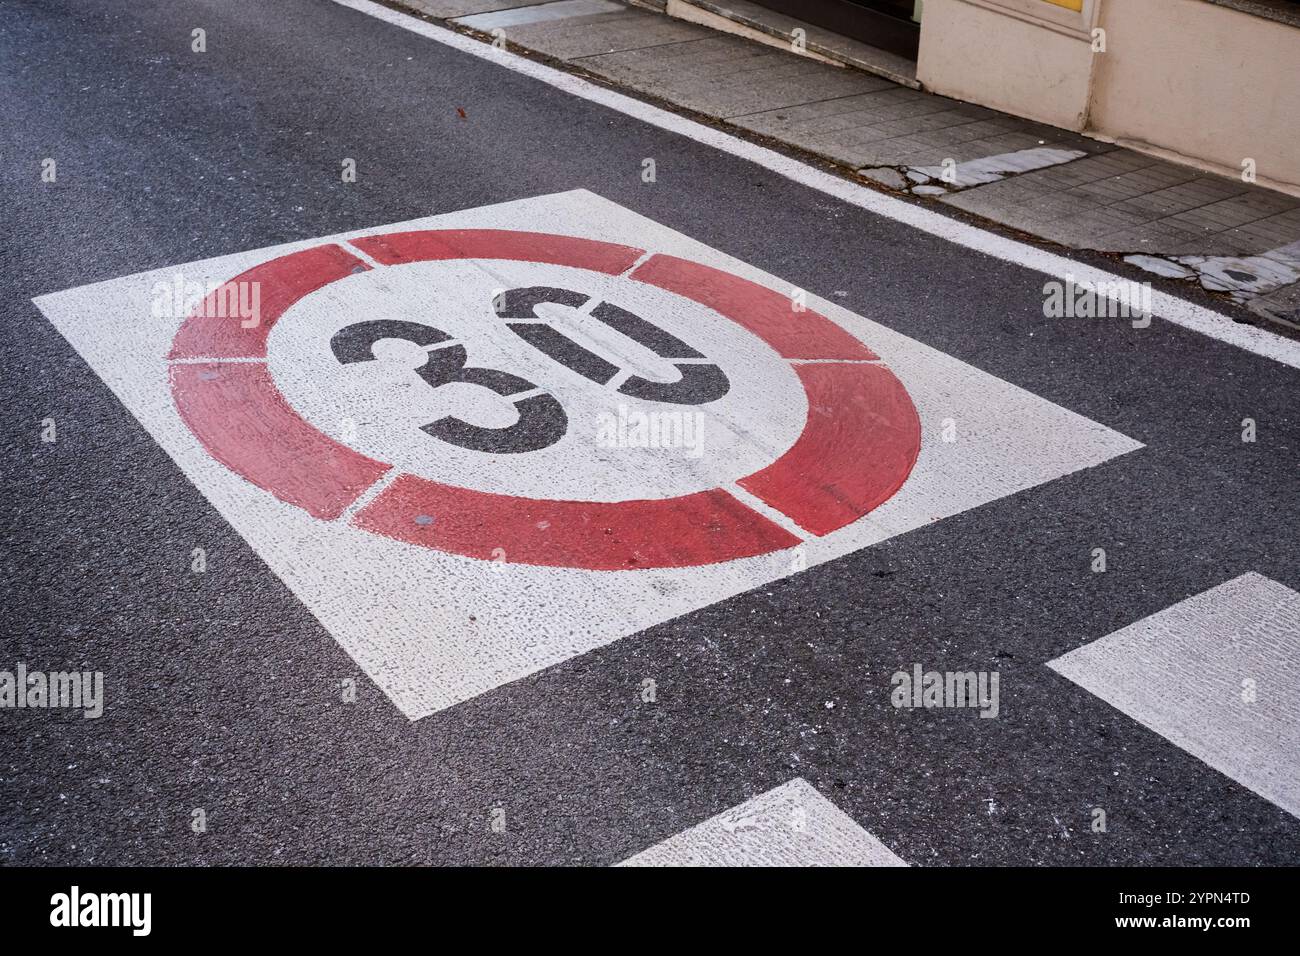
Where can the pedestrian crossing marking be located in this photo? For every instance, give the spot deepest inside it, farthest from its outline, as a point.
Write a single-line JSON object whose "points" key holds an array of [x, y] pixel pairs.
{"points": [[791, 825], [1217, 674]]}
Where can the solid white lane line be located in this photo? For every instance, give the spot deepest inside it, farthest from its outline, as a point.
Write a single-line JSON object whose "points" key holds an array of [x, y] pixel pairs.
{"points": [[793, 825], [1169, 307]]}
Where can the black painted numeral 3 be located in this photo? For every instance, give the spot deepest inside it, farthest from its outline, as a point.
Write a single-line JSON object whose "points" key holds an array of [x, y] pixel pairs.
{"points": [[542, 421]]}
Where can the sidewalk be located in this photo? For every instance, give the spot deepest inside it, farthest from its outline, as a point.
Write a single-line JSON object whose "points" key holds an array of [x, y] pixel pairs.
{"points": [[1231, 237]]}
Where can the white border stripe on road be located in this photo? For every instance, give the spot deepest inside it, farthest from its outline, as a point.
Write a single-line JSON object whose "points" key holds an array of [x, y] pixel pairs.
{"points": [[793, 825], [1169, 307], [1217, 674]]}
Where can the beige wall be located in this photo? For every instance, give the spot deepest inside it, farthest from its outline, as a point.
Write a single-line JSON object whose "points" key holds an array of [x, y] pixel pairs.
{"points": [[1206, 82], [986, 56], [1187, 79]]}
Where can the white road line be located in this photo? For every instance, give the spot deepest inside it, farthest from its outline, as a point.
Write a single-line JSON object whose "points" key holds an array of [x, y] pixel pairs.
{"points": [[767, 511], [367, 496], [1217, 674], [358, 252], [793, 825], [645, 257], [1169, 307]]}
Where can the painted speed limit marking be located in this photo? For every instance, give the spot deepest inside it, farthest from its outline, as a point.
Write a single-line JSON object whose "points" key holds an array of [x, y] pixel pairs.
{"points": [[481, 443], [847, 459]]}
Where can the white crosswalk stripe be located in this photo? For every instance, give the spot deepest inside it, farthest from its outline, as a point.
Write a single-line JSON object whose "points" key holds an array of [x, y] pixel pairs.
{"points": [[792, 825], [1217, 674]]}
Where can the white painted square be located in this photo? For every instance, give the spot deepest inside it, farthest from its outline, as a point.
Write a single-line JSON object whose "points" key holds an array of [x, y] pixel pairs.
{"points": [[791, 825], [433, 628], [1217, 674]]}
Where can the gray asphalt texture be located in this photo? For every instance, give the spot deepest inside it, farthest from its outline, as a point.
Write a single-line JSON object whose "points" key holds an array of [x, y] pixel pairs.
{"points": [[224, 690]]}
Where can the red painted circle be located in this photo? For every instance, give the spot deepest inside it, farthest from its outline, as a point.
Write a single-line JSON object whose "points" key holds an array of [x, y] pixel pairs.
{"points": [[858, 446]]}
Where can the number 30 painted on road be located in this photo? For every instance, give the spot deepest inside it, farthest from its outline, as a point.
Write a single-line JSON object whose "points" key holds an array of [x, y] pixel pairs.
{"points": [[542, 420]]}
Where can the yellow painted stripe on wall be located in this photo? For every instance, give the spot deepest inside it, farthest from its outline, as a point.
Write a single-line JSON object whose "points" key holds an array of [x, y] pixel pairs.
{"points": [[1075, 5]]}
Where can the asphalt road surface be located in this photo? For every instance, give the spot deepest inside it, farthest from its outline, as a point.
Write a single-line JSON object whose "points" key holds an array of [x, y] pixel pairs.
{"points": [[326, 692]]}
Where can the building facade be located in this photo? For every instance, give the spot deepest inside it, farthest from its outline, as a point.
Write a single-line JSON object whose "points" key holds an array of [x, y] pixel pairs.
{"points": [[1214, 84]]}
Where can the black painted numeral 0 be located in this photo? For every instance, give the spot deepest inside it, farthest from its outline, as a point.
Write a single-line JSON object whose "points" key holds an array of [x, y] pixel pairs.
{"points": [[699, 382]]}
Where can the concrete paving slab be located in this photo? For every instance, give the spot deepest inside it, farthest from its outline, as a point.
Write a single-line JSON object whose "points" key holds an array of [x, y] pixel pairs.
{"points": [[586, 36], [1281, 305], [538, 13], [734, 80], [460, 8], [1199, 214]]}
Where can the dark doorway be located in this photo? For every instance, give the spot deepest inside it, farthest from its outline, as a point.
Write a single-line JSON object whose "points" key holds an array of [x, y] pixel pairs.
{"points": [[885, 24]]}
